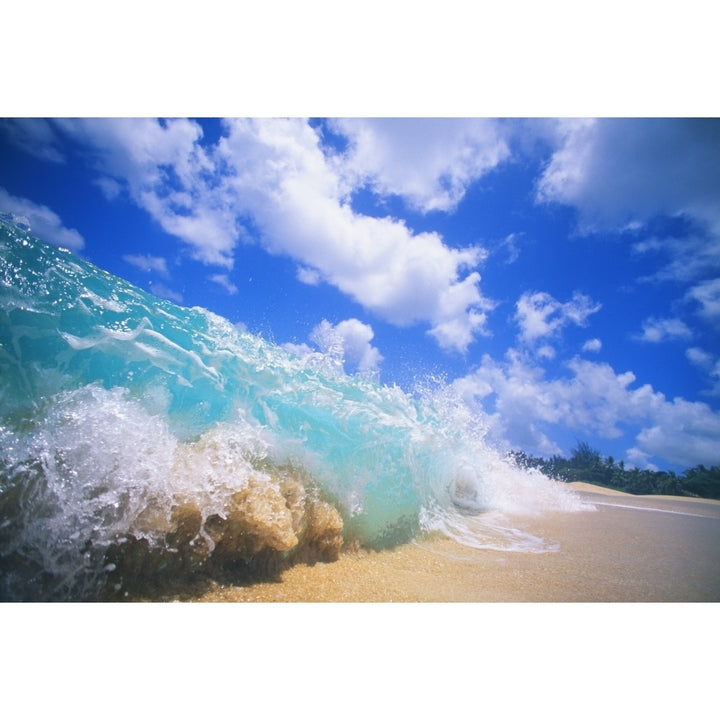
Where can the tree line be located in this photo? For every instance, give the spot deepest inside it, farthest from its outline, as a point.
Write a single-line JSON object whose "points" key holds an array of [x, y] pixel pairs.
{"points": [[586, 465]]}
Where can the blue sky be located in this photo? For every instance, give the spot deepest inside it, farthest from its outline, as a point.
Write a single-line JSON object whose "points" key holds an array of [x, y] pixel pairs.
{"points": [[563, 275]]}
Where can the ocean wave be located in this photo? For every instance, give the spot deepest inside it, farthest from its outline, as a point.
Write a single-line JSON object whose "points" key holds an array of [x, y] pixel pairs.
{"points": [[145, 444]]}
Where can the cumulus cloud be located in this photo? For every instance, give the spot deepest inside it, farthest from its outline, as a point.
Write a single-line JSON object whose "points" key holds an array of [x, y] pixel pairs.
{"points": [[109, 187], [524, 407], [223, 280], [299, 204], [707, 295], [168, 173], [163, 291], [299, 349], [308, 276], [429, 162], [350, 341], [546, 352], [659, 329], [683, 432], [540, 315], [41, 220], [709, 364], [594, 345], [273, 182], [148, 263], [698, 356], [623, 172], [690, 257]]}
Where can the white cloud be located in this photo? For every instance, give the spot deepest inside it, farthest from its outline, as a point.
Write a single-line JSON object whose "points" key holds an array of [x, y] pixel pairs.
{"points": [[308, 276], [540, 315], [640, 459], [687, 433], [275, 174], [163, 291], [110, 188], [41, 220], [546, 352], [525, 408], [349, 341], [593, 345], [297, 201], [462, 314], [659, 329], [299, 349], [167, 173], [224, 282], [148, 263], [690, 257], [623, 172], [429, 162], [707, 294], [697, 356], [510, 245], [707, 362]]}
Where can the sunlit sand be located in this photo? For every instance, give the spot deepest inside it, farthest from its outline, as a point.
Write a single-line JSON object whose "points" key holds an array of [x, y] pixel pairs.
{"points": [[629, 549]]}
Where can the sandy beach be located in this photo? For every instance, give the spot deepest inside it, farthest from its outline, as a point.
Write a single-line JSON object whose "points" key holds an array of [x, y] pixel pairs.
{"points": [[628, 549], [467, 633]]}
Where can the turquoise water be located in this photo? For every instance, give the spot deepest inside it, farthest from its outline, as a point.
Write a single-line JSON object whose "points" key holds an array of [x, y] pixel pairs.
{"points": [[143, 441]]}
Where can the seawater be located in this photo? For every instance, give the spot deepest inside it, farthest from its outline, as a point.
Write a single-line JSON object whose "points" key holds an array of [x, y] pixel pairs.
{"points": [[144, 445]]}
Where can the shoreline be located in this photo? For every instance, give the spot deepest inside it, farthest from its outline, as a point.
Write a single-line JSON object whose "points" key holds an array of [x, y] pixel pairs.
{"points": [[583, 487], [627, 548]]}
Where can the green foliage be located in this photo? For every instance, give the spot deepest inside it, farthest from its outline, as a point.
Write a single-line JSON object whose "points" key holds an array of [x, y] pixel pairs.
{"points": [[587, 465], [585, 457]]}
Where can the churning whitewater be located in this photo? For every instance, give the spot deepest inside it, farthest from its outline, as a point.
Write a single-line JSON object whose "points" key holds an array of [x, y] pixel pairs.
{"points": [[144, 444]]}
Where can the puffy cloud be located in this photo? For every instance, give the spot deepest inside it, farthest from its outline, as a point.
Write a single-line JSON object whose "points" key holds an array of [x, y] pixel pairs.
{"points": [[594, 345], [272, 180], [698, 356], [683, 432], [429, 162], [690, 257], [41, 220], [308, 276], [621, 172], [148, 263], [223, 280], [299, 204], [299, 349], [525, 408], [540, 315], [461, 314], [707, 362], [659, 329], [349, 340], [163, 291], [168, 173], [707, 294], [110, 188]]}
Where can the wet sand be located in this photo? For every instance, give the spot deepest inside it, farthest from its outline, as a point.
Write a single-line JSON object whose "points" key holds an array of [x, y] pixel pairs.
{"points": [[628, 549]]}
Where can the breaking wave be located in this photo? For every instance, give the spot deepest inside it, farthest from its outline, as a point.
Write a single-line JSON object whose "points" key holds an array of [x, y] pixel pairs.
{"points": [[144, 445]]}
